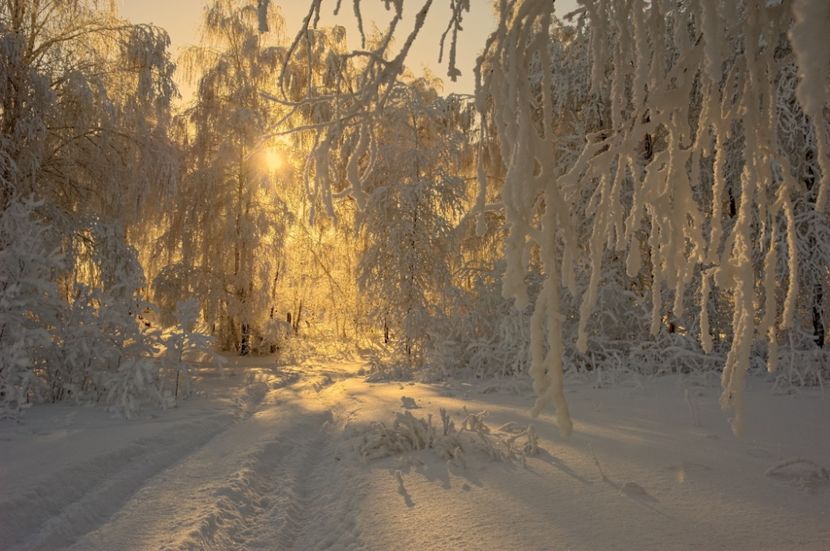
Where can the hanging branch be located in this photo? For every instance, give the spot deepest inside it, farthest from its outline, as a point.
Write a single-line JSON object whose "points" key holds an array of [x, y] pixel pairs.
{"points": [[683, 112]]}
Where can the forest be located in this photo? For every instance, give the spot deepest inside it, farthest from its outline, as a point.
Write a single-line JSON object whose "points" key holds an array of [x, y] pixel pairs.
{"points": [[635, 193]]}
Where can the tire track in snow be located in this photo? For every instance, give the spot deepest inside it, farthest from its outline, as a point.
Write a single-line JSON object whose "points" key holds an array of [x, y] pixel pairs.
{"points": [[330, 486], [253, 486], [333, 492], [263, 503], [78, 499], [289, 496], [66, 505]]}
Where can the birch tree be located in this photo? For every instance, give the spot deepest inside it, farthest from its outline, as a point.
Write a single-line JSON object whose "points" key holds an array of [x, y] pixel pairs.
{"points": [[702, 87], [224, 235], [413, 202]]}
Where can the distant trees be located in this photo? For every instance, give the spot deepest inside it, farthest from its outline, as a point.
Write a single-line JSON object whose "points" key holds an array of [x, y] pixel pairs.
{"points": [[226, 226], [240, 196]]}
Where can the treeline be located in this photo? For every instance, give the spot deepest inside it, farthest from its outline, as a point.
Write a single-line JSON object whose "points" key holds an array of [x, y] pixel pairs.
{"points": [[621, 177]]}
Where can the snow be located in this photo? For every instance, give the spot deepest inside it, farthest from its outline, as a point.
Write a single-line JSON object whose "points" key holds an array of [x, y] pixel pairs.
{"points": [[644, 158], [267, 457]]}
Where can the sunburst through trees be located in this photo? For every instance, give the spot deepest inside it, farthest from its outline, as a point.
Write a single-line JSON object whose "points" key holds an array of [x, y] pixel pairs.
{"points": [[647, 180]]}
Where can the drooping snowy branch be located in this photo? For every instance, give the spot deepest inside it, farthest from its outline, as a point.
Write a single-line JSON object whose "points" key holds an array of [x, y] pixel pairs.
{"points": [[665, 137], [689, 80]]}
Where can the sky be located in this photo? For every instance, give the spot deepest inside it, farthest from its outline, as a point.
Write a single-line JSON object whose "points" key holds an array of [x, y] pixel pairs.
{"points": [[182, 20]]}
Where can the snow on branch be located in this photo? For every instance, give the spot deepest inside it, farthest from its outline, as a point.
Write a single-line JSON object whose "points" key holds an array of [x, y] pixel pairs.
{"points": [[679, 86], [694, 157]]}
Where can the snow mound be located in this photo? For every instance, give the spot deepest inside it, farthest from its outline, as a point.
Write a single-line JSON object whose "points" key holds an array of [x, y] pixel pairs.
{"points": [[408, 403], [801, 473]]}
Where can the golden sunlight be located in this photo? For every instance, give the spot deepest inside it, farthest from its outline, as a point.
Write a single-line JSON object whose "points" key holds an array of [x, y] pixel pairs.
{"points": [[273, 159]]}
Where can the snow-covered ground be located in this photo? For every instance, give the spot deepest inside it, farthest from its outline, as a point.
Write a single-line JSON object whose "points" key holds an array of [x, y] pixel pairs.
{"points": [[270, 458]]}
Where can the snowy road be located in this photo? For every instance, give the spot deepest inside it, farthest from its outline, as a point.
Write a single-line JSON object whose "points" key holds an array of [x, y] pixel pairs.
{"points": [[242, 478], [248, 486], [266, 459]]}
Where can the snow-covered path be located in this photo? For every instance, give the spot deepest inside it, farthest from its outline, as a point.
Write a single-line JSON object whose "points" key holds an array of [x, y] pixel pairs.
{"points": [[206, 475], [252, 474], [266, 459]]}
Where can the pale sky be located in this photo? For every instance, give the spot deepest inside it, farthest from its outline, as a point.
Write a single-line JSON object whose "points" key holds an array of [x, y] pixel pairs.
{"points": [[182, 20]]}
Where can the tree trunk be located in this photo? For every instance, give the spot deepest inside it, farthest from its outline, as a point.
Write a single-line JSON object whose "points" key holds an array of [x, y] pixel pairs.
{"points": [[298, 318], [818, 289], [818, 322], [245, 341]]}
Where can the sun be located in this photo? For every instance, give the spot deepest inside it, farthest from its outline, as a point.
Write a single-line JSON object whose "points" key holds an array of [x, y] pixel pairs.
{"points": [[273, 159]]}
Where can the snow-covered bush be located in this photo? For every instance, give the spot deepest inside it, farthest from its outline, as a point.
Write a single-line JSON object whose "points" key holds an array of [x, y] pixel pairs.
{"points": [[482, 335], [106, 351], [84, 114], [29, 305], [90, 346], [409, 434], [186, 343]]}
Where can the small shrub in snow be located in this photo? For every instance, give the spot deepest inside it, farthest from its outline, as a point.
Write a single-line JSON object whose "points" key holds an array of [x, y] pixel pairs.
{"points": [[484, 336], [408, 403], [106, 355], [410, 434], [185, 343], [381, 370]]}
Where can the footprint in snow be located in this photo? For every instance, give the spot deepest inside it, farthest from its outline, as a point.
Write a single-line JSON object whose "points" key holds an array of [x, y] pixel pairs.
{"points": [[634, 490]]}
